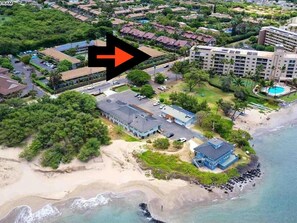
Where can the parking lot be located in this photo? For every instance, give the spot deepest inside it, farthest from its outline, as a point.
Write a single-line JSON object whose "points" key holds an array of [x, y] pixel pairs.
{"points": [[147, 104]]}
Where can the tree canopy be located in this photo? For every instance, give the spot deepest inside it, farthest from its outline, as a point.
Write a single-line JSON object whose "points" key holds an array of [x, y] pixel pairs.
{"points": [[138, 77], [62, 128], [31, 28]]}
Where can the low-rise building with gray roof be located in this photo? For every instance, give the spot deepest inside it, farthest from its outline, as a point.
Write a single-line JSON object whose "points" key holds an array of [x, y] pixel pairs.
{"points": [[130, 117]]}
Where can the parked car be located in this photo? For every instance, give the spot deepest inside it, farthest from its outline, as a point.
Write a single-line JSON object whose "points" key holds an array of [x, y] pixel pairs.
{"points": [[162, 106], [156, 103], [169, 135], [136, 95], [166, 66], [115, 82], [17, 61], [162, 88], [183, 139], [90, 88]]}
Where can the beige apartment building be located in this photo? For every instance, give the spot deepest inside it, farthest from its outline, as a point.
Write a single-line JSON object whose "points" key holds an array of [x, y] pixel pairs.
{"points": [[279, 65], [272, 36]]}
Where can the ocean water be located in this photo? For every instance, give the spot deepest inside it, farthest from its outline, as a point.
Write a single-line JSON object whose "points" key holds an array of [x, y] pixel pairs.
{"points": [[273, 200]]}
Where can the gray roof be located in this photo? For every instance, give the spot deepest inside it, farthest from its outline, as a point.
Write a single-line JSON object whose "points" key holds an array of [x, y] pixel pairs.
{"points": [[178, 113], [208, 150], [128, 114]]}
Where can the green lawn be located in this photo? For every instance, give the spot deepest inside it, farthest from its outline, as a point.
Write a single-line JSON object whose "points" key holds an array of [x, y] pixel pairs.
{"points": [[205, 92], [170, 166], [129, 138], [212, 94], [121, 88], [290, 97]]}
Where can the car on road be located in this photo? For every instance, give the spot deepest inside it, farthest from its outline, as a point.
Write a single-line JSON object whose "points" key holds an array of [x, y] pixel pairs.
{"points": [[183, 139], [115, 82], [169, 135], [162, 88], [136, 95], [156, 103], [141, 97], [17, 72], [90, 88], [162, 106], [166, 66], [17, 61]]}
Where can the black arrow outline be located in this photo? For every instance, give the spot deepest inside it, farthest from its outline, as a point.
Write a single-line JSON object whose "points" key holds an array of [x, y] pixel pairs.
{"points": [[112, 42]]}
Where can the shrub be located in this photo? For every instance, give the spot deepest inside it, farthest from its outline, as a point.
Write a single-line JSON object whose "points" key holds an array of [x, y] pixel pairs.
{"points": [[177, 144], [159, 78], [90, 149], [162, 143], [147, 90]]}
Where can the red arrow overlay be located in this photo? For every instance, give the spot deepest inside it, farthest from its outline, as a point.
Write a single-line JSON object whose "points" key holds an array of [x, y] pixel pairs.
{"points": [[119, 57]]}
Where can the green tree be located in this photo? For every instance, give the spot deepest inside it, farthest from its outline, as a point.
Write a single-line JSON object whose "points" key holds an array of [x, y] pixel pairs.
{"points": [[147, 90], [226, 106], [159, 78], [55, 78], [195, 77], [26, 59], [161, 143], [89, 150], [138, 77], [64, 65], [226, 83]]}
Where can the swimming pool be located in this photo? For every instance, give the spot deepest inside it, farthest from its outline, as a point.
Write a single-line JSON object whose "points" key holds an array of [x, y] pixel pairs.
{"points": [[276, 90]]}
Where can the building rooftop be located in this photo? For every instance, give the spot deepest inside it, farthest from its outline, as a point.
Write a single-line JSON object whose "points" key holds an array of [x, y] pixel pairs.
{"points": [[150, 51], [80, 72], [280, 31], [213, 152], [9, 86], [178, 113], [59, 56], [128, 114], [237, 52]]}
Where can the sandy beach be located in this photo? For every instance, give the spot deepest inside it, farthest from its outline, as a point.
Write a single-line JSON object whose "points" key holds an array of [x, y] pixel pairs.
{"points": [[256, 123], [116, 170], [23, 183]]}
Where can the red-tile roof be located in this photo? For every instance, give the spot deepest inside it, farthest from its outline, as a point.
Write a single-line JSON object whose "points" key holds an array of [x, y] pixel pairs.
{"points": [[9, 86]]}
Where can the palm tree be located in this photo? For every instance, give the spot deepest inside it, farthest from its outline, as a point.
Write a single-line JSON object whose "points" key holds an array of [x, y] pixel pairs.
{"points": [[238, 82], [55, 78]]}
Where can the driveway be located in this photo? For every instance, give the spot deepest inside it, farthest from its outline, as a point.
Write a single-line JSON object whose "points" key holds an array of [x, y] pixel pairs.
{"points": [[25, 74], [147, 104]]}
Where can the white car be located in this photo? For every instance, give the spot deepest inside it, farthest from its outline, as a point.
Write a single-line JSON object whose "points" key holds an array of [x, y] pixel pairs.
{"points": [[90, 88], [162, 106], [183, 139], [156, 103]]}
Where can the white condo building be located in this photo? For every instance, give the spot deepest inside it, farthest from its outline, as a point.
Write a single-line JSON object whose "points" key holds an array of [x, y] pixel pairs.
{"points": [[279, 65], [272, 36]]}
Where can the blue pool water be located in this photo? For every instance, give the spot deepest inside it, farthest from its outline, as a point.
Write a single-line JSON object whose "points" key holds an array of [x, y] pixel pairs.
{"points": [[276, 90], [143, 21]]}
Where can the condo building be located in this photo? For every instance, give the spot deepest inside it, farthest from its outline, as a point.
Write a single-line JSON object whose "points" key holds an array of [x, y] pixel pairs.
{"points": [[279, 65], [272, 36]]}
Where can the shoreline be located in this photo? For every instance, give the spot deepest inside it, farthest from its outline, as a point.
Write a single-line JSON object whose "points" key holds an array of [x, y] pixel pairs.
{"points": [[154, 190]]}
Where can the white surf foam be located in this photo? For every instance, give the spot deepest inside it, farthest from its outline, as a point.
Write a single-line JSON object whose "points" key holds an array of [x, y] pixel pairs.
{"points": [[26, 215], [85, 204]]}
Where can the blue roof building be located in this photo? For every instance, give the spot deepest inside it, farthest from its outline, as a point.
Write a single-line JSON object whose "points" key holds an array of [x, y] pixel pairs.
{"points": [[215, 153]]}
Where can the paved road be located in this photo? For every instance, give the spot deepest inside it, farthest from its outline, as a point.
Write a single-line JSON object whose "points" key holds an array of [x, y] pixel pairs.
{"points": [[103, 85], [26, 77]]}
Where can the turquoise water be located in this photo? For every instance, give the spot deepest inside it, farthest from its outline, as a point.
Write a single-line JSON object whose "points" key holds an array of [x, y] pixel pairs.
{"points": [[273, 201], [275, 90], [143, 21]]}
